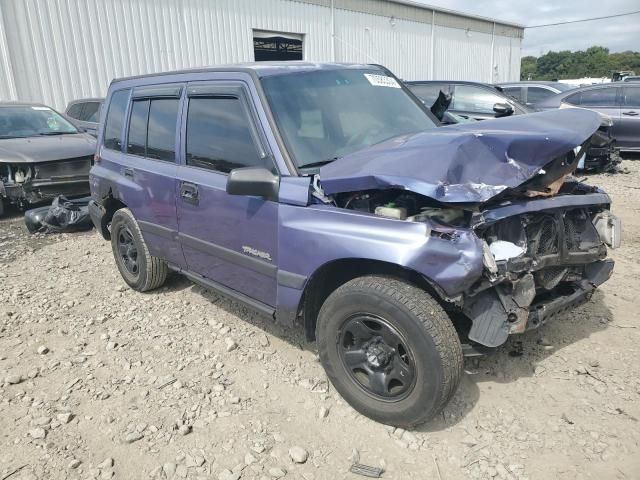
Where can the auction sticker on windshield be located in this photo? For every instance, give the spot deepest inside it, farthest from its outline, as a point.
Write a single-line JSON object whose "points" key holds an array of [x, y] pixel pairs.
{"points": [[381, 80]]}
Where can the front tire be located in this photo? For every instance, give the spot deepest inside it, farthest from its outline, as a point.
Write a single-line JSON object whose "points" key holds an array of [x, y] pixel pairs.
{"points": [[141, 270], [389, 349]]}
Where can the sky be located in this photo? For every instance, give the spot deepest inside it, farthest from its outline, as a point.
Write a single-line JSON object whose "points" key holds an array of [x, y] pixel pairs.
{"points": [[616, 34]]}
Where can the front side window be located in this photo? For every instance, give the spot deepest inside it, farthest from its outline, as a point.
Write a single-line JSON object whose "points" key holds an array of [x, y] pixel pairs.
{"points": [[75, 110], [326, 114], [429, 92], [513, 92], [91, 112], [631, 97], [467, 98], [219, 135], [598, 97], [538, 94], [21, 121], [115, 119], [152, 128]]}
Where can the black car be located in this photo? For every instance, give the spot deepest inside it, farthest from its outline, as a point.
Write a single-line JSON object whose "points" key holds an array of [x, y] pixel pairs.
{"points": [[479, 101], [42, 155], [620, 101]]}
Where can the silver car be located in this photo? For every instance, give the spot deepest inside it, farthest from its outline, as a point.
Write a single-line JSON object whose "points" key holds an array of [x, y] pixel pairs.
{"points": [[85, 114], [532, 92]]}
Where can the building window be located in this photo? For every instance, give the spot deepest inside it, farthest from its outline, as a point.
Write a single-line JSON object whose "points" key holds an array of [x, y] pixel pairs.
{"points": [[276, 46]]}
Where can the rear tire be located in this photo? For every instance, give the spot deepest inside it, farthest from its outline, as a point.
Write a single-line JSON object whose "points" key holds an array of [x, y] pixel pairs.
{"points": [[389, 349], [141, 270]]}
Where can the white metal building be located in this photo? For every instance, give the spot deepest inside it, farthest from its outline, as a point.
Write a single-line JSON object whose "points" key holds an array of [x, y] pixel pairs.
{"points": [[53, 51]]}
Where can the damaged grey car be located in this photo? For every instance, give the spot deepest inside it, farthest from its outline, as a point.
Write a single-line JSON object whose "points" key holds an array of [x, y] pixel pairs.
{"points": [[42, 155]]}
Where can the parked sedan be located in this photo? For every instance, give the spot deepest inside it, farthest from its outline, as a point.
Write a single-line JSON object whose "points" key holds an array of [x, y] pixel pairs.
{"points": [[478, 101], [532, 92], [85, 114], [42, 155], [619, 100]]}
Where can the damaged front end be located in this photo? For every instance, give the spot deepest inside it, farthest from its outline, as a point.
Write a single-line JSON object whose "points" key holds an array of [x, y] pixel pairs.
{"points": [[542, 258], [28, 183], [542, 236]]}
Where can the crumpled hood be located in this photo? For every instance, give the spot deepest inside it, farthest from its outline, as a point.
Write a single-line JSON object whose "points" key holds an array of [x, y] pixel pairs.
{"points": [[46, 148], [469, 163]]}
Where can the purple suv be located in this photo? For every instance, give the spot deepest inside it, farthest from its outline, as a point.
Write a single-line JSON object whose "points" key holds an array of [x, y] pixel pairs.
{"points": [[328, 196]]}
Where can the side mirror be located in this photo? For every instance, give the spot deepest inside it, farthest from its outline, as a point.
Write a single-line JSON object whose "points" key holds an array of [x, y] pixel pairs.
{"points": [[503, 110], [253, 181]]}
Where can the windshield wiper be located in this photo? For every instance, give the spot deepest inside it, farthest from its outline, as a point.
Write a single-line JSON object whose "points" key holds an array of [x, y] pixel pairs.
{"points": [[55, 133], [320, 163]]}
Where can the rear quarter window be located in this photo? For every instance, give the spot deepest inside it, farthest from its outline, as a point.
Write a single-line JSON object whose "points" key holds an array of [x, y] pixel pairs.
{"points": [[115, 119]]}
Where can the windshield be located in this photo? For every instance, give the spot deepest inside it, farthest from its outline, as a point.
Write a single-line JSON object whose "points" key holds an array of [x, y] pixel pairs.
{"points": [[29, 121], [324, 115]]}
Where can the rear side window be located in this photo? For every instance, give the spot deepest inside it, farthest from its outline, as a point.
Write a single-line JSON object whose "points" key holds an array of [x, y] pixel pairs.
{"points": [[152, 128], [631, 97], [599, 97], [161, 134], [137, 137], [219, 135], [115, 119]]}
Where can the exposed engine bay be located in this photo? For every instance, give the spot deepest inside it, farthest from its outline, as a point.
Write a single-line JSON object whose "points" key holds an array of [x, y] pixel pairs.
{"points": [[28, 183], [536, 264]]}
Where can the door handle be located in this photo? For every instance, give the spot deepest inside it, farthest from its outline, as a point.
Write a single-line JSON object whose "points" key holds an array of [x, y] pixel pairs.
{"points": [[631, 113], [189, 192], [128, 172]]}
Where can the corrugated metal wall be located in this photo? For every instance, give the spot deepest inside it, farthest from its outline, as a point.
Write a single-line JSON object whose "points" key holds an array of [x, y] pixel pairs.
{"points": [[53, 51]]}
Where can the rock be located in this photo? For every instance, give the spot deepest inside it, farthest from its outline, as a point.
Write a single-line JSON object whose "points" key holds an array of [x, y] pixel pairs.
{"points": [[231, 344], [169, 469], [73, 464], [64, 417], [41, 421], [228, 475], [298, 454], [13, 379], [594, 362], [38, 433], [133, 437], [107, 463], [43, 350], [184, 429], [181, 471], [111, 345], [277, 472], [323, 412], [194, 461]]}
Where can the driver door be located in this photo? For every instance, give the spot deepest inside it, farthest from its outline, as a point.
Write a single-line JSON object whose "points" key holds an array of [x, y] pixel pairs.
{"points": [[228, 239]]}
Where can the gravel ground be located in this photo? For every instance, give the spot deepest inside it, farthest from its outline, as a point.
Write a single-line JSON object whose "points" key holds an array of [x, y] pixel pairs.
{"points": [[98, 381]]}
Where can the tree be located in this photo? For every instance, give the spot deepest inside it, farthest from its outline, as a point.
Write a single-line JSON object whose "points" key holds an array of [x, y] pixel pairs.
{"points": [[596, 61]]}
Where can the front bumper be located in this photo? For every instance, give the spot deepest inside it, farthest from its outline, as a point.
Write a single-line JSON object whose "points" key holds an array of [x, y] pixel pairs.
{"points": [[36, 191], [571, 297]]}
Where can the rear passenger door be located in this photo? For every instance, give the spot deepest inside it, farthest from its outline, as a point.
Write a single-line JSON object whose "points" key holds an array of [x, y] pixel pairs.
{"points": [[148, 167], [629, 129], [228, 239]]}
